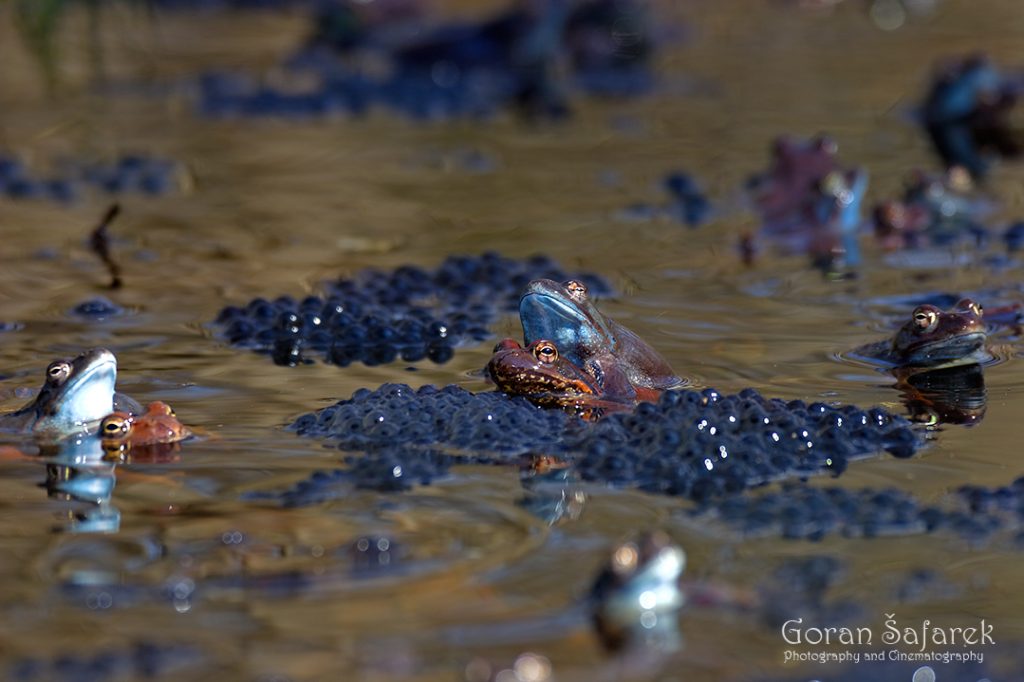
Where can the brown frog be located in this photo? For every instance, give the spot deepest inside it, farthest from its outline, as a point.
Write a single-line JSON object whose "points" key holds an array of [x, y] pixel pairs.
{"points": [[933, 337], [546, 378], [157, 425]]}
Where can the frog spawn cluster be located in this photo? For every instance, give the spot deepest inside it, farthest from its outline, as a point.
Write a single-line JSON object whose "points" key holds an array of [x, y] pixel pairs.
{"points": [[136, 660], [974, 513], [408, 313], [696, 444], [131, 173], [521, 58], [702, 445], [408, 435]]}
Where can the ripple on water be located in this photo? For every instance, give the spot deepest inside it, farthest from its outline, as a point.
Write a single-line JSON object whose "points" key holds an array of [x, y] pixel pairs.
{"points": [[355, 547]]}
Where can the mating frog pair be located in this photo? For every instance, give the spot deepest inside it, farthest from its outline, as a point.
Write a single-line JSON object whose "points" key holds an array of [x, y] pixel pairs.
{"points": [[77, 394], [575, 357]]}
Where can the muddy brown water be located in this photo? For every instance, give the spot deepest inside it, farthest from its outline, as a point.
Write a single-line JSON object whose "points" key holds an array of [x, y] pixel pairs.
{"points": [[272, 207]]}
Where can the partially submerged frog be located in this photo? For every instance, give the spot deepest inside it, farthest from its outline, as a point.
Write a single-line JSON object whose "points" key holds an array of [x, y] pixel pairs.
{"points": [[565, 316], [934, 209], [967, 113], [797, 167], [635, 598], [546, 378], [157, 425], [808, 202], [76, 395], [933, 337], [641, 575]]}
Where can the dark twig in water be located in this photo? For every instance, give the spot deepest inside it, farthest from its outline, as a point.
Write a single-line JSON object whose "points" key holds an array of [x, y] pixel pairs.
{"points": [[100, 242]]}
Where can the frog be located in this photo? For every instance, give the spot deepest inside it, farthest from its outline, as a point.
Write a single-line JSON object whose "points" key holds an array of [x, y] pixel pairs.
{"points": [[565, 315], [649, 562], [157, 425], [936, 209], [546, 378], [797, 167], [967, 114], [75, 396], [808, 203], [933, 338], [636, 597]]}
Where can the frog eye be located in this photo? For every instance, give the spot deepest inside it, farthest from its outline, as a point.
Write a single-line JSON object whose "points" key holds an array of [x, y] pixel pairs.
{"points": [[833, 183], [58, 372], [546, 352], [625, 559], [959, 179], [577, 290], [115, 425], [967, 305], [926, 318]]}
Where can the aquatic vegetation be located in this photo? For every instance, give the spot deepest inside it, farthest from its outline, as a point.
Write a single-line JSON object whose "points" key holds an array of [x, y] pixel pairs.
{"points": [[99, 241]]}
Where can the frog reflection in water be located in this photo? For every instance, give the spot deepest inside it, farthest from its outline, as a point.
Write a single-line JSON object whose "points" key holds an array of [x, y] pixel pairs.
{"points": [[548, 379], [640, 583], [76, 395], [933, 338], [635, 598], [157, 425], [565, 315]]}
